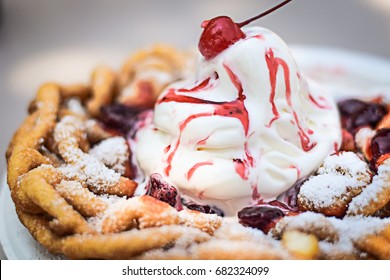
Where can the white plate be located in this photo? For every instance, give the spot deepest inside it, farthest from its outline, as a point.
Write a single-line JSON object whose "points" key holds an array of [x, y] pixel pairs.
{"points": [[345, 73], [16, 240]]}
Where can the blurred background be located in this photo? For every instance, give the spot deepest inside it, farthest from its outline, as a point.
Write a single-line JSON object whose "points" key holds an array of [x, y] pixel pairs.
{"points": [[52, 40]]}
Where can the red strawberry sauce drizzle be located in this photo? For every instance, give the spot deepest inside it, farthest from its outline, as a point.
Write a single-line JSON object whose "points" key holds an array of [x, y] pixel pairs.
{"points": [[322, 105], [203, 141], [237, 109], [249, 157], [336, 148], [258, 36], [195, 167], [171, 153], [255, 193], [273, 64], [198, 87], [297, 169], [273, 69], [236, 82], [240, 167], [202, 86], [234, 109]]}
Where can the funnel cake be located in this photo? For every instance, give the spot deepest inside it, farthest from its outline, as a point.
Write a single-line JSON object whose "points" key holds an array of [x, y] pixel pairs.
{"points": [[241, 159], [74, 186]]}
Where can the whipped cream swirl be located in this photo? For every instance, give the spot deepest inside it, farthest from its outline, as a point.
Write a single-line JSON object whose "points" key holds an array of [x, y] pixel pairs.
{"points": [[243, 129]]}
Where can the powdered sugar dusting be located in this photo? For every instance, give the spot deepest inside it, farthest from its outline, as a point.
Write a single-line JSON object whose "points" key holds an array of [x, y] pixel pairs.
{"points": [[206, 222], [68, 131], [347, 164], [81, 166], [86, 202], [113, 152], [324, 190], [75, 106], [114, 203], [73, 188], [380, 182], [352, 229], [95, 223], [345, 232], [111, 199], [91, 171], [90, 124], [338, 175]]}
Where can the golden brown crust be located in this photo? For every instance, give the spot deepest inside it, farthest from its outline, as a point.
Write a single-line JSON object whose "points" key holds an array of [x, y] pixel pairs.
{"points": [[145, 210], [337, 209], [377, 246], [39, 123], [124, 245], [205, 222], [41, 197], [375, 196], [103, 89], [83, 200], [96, 132], [76, 91], [162, 57], [148, 72]]}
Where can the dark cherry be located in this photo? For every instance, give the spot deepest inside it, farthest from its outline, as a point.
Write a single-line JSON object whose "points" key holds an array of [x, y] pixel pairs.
{"points": [[221, 32], [260, 217], [380, 146], [120, 117], [204, 208], [161, 190], [291, 197], [356, 113]]}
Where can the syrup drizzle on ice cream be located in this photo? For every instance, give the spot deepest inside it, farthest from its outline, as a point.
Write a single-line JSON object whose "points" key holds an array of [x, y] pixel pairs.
{"points": [[232, 109], [273, 64]]}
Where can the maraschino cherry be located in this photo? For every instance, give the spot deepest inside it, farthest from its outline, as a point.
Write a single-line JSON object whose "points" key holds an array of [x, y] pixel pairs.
{"points": [[221, 32]]}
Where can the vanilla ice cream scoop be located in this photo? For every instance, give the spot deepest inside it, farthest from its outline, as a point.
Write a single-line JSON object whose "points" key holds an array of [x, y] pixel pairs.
{"points": [[243, 129]]}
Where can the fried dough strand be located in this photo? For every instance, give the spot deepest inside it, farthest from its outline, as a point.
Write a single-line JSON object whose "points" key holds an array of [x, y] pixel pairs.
{"points": [[84, 201], [123, 245], [375, 196], [146, 210], [68, 134], [44, 196], [103, 89], [146, 73], [377, 246]]}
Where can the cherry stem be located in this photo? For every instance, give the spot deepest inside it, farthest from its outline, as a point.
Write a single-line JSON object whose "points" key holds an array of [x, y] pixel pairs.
{"points": [[241, 24]]}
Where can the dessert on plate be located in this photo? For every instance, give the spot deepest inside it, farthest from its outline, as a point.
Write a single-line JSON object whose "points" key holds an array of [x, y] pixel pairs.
{"points": [[230, 155]]}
